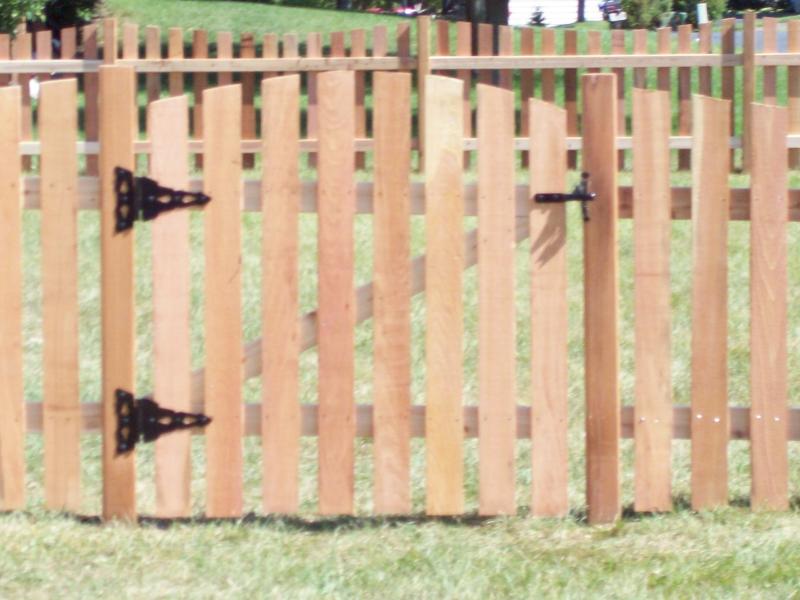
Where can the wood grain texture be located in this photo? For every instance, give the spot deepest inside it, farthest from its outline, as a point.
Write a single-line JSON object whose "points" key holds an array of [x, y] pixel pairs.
{"points": [[224, 50], [594, 46], [601, 299], [69, 43], [280, 303], [336, 313], [313, 50], [444, 306], [618, 47], [58, 130], [685, 34], [710, 206], [110, 41], [486, 48], [247, 49], [526, 47], [464, 48], [640, 47], [769, 387], [664, 74], [423, 70], [549, 324], [91, 95], [22, 49], [130, 41], [223, 304], [652, 228], [496, 313], [168, 128], [117, 132], [505, 47], [548, 76], [12, 406], [44, 50], [443, 42], [392, 294], [5, 54], [793, 85], [705, 75]]}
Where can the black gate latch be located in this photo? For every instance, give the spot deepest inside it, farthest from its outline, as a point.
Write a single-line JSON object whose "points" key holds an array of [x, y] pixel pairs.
{"points": [[141, 198], [581, 193], [142, 420]]}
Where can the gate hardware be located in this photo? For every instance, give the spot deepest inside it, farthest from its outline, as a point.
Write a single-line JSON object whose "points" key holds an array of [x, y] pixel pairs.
{"points": [[581, 193], [141, 198], [142, 420]]}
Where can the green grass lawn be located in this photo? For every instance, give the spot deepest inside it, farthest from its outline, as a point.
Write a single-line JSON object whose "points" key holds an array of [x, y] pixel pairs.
{"points": [[721, 554]]}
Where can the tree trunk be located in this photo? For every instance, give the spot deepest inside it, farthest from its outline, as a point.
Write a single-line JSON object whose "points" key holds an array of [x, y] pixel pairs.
{"points": [[581, 11]]}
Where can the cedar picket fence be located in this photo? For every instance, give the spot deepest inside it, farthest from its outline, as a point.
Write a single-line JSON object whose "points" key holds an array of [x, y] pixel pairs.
{"points": [[506, 215]]}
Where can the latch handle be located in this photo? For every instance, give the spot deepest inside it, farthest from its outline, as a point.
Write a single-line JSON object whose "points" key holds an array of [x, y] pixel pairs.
{"points": [[581, 193]]}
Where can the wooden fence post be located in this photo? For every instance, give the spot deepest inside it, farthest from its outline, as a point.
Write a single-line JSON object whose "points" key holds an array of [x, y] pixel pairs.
{"points": [[768, 310], [601, 298], [58, 126], [110, 44], [168, 130], [280, 424], [336, 314], [652, 203], [117, 133], [247, 49], [91, 95], [392, 293], [728, 47], [12, 402], [710, 213], [444, 215], [549, 318], [794, 92], [496, 321]]}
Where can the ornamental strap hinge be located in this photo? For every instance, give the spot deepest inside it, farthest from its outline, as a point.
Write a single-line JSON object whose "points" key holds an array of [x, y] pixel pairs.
{"points": [[143, 199], [142, 420], [580, 193]]}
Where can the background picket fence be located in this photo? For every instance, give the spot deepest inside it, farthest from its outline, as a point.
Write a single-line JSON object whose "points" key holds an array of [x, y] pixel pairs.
{"points": [[505, 215]]}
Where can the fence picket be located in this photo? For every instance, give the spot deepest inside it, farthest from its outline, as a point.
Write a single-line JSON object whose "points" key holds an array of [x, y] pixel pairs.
{"points": [[175, 51], [224, 51], [130, 41], [117, 132], [496, 321], [358, 49], [793, 84], [444, 310], [281, 331], [44, 50], [685, 33], [223, 307], [168, 129], [618, 47], [110, 42], [505, 47], [485, 48], [12, 402], [392, 293], [652, 229], [247, 49], [526, 40], [464, 48], [313, 50], [21, 49], [601, 299], [769, 26], [727, 47], [5, 54], [768, 311], [571, 93], [548, 48], [336, 313], [549, 326], [200, 83], [152, 51], [710, 209], [705, 79], [58, 127], [91, 91], [748, 91]]}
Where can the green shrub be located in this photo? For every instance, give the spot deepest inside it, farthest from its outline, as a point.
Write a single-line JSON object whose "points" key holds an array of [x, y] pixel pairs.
{"points": [[645, 13], [54, 13], [13, 12], [716, 8]]}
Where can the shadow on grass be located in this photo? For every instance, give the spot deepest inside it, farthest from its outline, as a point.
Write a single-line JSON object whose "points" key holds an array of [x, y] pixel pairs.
{"points": [[313, 524]]}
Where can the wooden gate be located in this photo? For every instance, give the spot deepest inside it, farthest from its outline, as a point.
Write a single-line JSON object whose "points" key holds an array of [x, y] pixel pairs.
{"points": [[506, 212]]}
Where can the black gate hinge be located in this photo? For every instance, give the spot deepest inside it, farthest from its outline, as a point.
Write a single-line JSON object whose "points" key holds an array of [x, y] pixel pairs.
{"points": [[143, 199], [580, 193], [142, 420]]}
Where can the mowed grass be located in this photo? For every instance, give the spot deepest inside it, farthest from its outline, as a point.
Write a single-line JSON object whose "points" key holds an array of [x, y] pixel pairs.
{"points": [[726, 553]]}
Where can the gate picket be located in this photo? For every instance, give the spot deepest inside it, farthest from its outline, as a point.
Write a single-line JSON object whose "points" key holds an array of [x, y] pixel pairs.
{"points": [[652, 229], [168, 129], [768, 316], [601, 298], [392, 293], [549, 324], [336, 313], [710, 210], [58, 126], [444, 214], [117, 132], [281, 424], [222, 118], [496, 321], [12, 407]]}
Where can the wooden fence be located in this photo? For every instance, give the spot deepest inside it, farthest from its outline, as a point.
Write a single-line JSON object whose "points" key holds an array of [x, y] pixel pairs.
{"points": [[506, 215], [533, 63]]}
